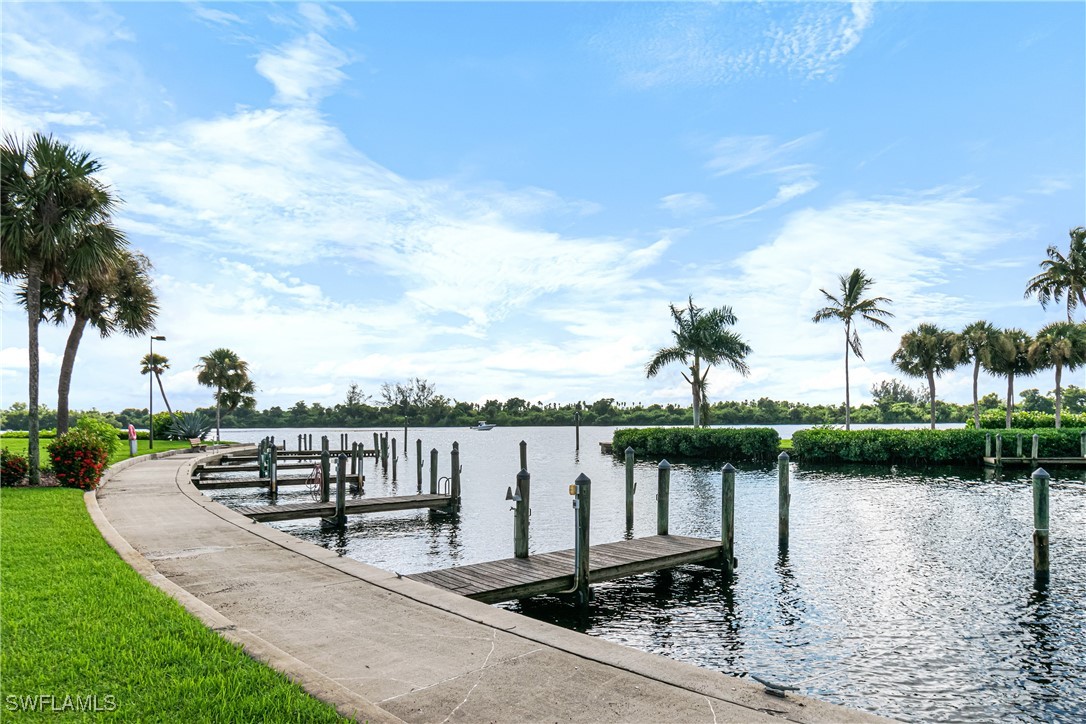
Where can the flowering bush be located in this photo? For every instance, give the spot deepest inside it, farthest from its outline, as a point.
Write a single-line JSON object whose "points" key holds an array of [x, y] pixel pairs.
{"points": [[103, 430], [13, 467], [78, 459]]}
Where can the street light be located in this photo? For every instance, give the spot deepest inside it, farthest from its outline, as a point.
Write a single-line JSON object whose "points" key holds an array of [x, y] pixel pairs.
{"points": [[151, 390]]}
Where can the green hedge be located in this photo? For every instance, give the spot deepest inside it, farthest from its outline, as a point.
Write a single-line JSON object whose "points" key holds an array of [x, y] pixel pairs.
{"points": [[730, 445], [1027, 420], [50, 434], [923, 447]]}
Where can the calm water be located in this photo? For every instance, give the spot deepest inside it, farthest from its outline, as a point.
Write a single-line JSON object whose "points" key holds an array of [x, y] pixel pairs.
{"points": [[906, 593]]}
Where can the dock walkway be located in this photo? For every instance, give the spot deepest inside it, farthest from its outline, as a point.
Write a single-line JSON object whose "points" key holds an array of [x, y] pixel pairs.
{"points": [[1031, 462], [511, 578], [298, 511]]}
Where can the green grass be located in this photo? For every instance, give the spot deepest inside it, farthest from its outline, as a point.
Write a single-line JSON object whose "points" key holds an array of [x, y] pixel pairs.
{"points": [[20, 445], [76, 620]]}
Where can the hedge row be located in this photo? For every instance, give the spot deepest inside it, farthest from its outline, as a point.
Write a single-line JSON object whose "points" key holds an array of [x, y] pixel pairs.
{"points": [[923, 447], [723, 445], [52, 433], [1027, 420]]}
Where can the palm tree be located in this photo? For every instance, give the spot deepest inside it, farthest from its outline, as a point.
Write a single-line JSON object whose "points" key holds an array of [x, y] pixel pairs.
{"points": [[974, 344], [156, 364], [228, 374], [926, 352], [849, 305], [1059, 345], [120, 298], [1009, 357], [49, 197], [701, 336], [1063, 275]]}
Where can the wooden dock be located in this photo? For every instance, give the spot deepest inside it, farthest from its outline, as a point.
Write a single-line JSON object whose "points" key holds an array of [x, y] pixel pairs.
{"points": [[250, 457], [227, 483], [298, 511], [512, 578], [245, 468], [1030, 462]]}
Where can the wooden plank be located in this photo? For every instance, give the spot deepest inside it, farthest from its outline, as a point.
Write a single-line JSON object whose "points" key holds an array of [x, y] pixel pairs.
{"points": [[357, 506]]}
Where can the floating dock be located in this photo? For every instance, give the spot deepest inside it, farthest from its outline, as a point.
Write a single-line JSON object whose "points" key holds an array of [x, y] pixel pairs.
{"points": [[298, 511], [1029, 462], [227, 483], [512, 578]]}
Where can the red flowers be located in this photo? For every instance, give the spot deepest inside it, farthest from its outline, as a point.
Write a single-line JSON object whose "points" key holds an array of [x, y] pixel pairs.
{"points": [[78, 459]]}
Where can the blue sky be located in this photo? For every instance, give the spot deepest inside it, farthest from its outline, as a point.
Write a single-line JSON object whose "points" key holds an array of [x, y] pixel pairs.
{"points": [[504, 198]]}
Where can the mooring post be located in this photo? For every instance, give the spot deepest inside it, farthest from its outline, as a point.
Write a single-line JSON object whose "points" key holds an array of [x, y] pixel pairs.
{"points": [[1040, 525], [394, 458], [987, 444], [260, 458], [523, 455], [405, 436], [630, 487], [273, 471], [1036, 448], [433, 471], [354, 458], [999, 449], [663, 493], [1082, 443], [784, 498], [1018, 445], [341, 489], [326, 469], [455, 477], [310, 446], [577, 423], [727, 517], [418, 462], [376, 450], [583, 487], [520, 516]]}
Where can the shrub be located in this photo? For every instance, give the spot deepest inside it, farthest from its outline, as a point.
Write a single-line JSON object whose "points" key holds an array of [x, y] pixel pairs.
{"points": [[734, 444], [102, 430], [13, 467], [1027, 420], [923, 447], [189, 425], [23, 434], [78, 459]]}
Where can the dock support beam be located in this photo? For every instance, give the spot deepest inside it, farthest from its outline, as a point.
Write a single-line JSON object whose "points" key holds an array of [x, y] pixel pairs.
{"points": [[727, 518], [521, 514], [418, 462], [455, 476], [394, 456], [273, 472], [326, 469], [784, 499], [1040, 525], [354, 458], [433, 471], [384, 451], [999, 449], [583, 501], [663, 493], [341, 489], [631, 486]]}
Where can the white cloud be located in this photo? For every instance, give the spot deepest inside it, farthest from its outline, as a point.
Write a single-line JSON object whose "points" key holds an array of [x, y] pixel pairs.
{"points": [[686, 204], [46, 64], [216, 16], [304, 70]]}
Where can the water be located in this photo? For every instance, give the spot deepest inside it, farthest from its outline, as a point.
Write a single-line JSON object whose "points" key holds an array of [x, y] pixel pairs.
{"points": [[904, 592]]}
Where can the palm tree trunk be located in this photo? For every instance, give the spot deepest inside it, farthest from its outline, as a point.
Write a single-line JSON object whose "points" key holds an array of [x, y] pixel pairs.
{"points": [[695, 389], [160, 389], [1010, 399], [848, 410], [1059, 393], [64, 384], [218, 415], [976, 400], [931, 396], [33, 315]]}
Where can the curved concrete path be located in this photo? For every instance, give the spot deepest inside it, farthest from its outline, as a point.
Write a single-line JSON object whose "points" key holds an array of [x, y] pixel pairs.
{"points": [[382, 648]]}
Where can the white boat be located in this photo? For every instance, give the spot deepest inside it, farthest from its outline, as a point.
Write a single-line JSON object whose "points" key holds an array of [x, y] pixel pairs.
{"points": [[483, 425]]}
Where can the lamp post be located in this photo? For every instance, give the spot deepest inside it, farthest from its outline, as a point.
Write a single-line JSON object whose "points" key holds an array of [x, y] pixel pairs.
{"points": [[151, 391]]}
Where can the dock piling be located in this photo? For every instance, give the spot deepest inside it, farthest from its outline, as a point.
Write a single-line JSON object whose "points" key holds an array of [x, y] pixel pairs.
{"points": [[663, 494], [433, 471], [583, 503], [999, 449], [1040, 525], [577, 424], [273, 472], [523, 455], [455, 476], [1018, 445], [520, 516], [394, 458], [631, 486], [784, 499], [341, 489], [1036, 448], [727, 514], [418, 462], [1082, 443], [384, 451], [376, 450], [326, 469], [987, 444], [354, 458]]}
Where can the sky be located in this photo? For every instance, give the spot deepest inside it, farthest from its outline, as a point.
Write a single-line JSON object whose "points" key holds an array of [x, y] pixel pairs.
{"points": [[505, 198]]}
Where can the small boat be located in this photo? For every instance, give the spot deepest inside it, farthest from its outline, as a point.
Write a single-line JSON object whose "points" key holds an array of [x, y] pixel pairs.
{"points": [[483, 425]]}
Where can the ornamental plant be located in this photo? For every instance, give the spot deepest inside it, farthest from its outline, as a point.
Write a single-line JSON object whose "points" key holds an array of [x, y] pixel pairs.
{"points": [[13, 467], [102, 430], [78, 457]]}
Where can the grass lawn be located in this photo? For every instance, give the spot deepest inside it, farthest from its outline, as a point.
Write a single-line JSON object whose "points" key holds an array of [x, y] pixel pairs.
{"points": [[20, 445], [76, 620]]}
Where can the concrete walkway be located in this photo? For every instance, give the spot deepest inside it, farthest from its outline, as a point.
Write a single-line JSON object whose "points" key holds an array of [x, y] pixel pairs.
{"points": [[383, 648]]}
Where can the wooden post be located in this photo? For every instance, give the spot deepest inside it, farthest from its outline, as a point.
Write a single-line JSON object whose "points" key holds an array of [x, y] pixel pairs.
{"points": [[260, 458], [584, 516], [523, 455], [784, 498], [354, 458], [273, 472], [376, 450], [577, 423], [418, 462], [999, 448], [987, 444], [727, 517], [393, 459], [1036, 448], [405, 436], [455, 477], [384, 451], [663, 493], [326, 469], [1082, 443], [1018, 445], [1040, 525], [433, 471], [341, 489], [520, 517], [630, 487], [310, 447]]}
